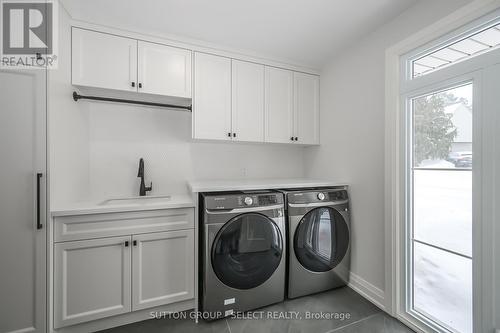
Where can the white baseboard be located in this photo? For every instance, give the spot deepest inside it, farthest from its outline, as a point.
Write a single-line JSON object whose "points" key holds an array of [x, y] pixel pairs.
{"points": [[367, 290]]}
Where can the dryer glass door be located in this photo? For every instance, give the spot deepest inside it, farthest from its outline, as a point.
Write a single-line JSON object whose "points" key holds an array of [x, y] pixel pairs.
{"points": [[321, 239], [246, 251]]}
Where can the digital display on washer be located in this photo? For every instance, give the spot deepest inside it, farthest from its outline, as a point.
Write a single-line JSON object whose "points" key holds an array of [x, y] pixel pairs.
{"points": [[268, 200]]}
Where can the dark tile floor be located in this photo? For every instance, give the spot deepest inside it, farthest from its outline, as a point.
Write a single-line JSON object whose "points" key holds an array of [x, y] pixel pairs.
{"points": [[351, 314]]}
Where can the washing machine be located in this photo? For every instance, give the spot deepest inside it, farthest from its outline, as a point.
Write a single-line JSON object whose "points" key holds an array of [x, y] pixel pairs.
{"points": [[243, 251], [318, 240]]}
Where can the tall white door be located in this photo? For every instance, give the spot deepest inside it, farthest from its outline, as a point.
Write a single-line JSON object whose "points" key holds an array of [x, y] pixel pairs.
{"points": [[103, 61], [306, 108], [279, 105], [452, 176], [247, 101], [212, 97], [164, 70], [22, 217], [163, 268]]}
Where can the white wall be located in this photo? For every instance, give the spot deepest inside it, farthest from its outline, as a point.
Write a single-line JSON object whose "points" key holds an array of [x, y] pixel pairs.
{"points": [[68, 127], [121, 134], [352, 131]]}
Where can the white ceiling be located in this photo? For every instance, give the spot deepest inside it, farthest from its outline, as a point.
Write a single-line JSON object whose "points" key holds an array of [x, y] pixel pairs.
{"points": [[306, 32]]}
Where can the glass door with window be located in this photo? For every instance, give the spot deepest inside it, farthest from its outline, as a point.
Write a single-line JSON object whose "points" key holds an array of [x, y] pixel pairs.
{"points": [[439, 228]]}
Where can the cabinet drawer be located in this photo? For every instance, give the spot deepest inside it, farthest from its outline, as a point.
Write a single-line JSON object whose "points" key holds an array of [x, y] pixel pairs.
{"points": [[77, 227]]}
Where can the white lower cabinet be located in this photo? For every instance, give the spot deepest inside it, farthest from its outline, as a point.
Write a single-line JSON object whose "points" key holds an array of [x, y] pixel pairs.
{"points": [[163, 268], [107, 276], [92, 280]]}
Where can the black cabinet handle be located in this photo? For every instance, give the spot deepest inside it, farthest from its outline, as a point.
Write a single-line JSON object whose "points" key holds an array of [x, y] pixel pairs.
{"points": [[234, 135], [134, 243], [291, 138], [296, 138], [126, 243], [133, 84], [229, 134], [39, 224], [140, 85]]}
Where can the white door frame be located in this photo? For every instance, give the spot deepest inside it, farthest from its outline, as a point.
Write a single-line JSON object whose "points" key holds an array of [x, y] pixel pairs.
{"points": [[395, 161]]}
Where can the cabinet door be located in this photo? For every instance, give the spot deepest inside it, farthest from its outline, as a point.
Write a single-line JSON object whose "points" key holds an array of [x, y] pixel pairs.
{"points": [[163, 268], [212, 97], [103, 61], [247, 101], [164, 70], [279, 105], [306, 108], [91, 279], [22, 239]]}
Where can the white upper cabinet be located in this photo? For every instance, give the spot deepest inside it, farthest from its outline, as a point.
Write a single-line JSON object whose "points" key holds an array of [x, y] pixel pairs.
{"points": [[233, 99], [212, 97], [247, 101], [103, 61], [306, 108], [279, 105], [164, 70]]}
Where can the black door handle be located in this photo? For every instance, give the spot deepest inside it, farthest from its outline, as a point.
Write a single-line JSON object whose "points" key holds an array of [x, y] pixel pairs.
{"points": [[38, 199]]}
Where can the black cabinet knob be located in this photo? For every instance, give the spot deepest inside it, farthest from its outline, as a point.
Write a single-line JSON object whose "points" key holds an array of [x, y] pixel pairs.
{"points": [[296, 138], [234, 135], [126, 243], [229, 134], [140, 85], [291, 138], [134, 243], [133, 84]]}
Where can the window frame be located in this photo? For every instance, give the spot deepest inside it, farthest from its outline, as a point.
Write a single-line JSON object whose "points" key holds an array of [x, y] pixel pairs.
{"points": [[397, 86], [464, 32]]}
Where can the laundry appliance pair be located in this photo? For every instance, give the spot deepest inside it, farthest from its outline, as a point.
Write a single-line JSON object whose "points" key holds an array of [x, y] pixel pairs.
{"points": [[256, 247]]}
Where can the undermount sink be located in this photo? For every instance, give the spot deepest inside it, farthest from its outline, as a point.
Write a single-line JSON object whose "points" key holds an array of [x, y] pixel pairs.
{"points": [[153, 200]]}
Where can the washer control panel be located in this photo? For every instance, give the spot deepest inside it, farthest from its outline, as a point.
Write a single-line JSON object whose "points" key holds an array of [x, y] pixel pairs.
{"points": [[234, 200]]}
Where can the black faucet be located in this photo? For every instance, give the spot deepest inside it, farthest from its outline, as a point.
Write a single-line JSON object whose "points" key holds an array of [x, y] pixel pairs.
{"points": [[143, 189]]}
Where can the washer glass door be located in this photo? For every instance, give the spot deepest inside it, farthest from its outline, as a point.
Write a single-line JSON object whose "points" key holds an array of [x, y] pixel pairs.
{"points": [[246, 251], [321, 239]]}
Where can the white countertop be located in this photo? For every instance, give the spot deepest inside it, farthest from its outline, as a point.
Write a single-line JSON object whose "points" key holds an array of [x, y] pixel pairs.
{"points": [[82, 208], [258, 184]]}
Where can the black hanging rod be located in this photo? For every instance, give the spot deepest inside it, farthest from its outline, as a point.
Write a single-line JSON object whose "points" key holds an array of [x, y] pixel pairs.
{"points": [[76, 97]]}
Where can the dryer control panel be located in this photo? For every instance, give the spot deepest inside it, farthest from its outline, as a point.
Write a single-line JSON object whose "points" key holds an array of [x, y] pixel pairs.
{"points": [[318, 195]]}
